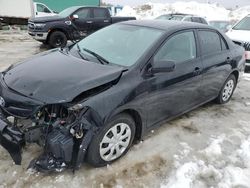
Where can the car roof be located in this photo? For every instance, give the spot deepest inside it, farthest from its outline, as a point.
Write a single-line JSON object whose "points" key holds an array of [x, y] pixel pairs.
{"points": [[167, 24]]}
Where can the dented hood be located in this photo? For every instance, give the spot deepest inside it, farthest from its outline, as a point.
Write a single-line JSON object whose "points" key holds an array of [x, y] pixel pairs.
{"points": [[55, 77]]}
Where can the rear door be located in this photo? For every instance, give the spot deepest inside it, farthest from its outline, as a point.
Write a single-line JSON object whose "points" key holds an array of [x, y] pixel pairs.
{"points": [[174, 92], [216, 59]]}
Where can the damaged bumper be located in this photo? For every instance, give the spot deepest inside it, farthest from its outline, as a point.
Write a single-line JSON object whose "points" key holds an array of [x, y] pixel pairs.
{"points": [[12, 139], [64, 148]]}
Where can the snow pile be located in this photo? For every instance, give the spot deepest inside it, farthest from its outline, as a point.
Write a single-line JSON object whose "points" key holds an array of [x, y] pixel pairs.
{"points": [[152, 10], [246, 76], [221, 164]]}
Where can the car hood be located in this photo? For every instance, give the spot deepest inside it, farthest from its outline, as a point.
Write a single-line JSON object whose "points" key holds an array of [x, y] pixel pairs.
{"points": [[239, 35], [55, 77], [46, 19]]}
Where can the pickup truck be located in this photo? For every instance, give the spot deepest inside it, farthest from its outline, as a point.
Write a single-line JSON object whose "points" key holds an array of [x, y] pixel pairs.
{"points": [[72, 23]]}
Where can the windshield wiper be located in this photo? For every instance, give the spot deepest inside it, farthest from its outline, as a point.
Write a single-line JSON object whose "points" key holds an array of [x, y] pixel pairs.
{"points": [[80, 53], [98, 57]]}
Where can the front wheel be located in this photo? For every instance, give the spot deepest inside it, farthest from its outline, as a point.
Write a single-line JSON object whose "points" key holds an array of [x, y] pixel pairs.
{"points": [[112, 141], [57, 39], [227, 90]]}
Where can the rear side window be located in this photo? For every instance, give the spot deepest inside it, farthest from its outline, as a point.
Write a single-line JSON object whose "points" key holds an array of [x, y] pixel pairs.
{"points": [[100, 13], [211, 42], [223, 44], [179, 48], [188, 19], [83, 13], [196, 19], [203, 21]]}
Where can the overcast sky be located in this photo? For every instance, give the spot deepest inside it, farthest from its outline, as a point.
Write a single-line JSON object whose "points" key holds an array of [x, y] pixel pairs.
{"points": [[226, 3]]}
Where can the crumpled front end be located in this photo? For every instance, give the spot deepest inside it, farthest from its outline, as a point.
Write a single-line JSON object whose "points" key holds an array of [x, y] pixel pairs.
{"points": [[64, 131]]}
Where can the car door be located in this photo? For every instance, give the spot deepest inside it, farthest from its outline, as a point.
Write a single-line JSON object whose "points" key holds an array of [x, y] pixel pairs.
{"points": [[216, 59], [172, 93], [42, 10], [101, 18], [84, 21]]}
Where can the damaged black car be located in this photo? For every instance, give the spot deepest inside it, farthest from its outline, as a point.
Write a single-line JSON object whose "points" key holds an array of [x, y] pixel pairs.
{"points": [[90, 101]]}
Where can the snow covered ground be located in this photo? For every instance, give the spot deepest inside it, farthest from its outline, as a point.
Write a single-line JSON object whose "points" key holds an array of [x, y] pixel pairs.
{"points": [[209, 11]]}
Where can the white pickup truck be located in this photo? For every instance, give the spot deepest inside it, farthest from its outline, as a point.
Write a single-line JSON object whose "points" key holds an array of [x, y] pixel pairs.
{"points": [[240, 34], [19, 11]]}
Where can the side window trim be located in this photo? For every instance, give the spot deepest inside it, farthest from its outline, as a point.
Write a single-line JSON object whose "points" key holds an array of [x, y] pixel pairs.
{"points": [[222, 39], [174, 34]]}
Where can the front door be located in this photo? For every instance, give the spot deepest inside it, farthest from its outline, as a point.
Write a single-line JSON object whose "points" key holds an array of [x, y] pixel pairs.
{"points": [[84, 21], [41, 10], [172, 93]]}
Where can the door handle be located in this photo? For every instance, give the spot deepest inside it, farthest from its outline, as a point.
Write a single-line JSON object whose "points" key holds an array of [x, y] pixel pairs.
{"points": [[197, 71], [89, 22], [106, 21]]}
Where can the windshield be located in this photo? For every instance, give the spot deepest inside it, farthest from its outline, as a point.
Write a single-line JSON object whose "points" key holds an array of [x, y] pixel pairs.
{"points": [[170, 17], [244, 24], [120, 44], [67, 12]]}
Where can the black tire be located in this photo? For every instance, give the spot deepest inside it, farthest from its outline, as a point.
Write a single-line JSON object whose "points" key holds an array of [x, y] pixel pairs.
{"points": [[57, 39], [220, 99], [93, 155]]}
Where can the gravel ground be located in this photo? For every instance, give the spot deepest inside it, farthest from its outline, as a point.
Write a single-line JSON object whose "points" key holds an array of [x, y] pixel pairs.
{"points": [[208, 147]]}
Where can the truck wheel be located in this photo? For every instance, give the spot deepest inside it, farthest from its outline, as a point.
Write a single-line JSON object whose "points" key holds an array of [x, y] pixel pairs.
{"points": [[57, 39], [112, 141]]}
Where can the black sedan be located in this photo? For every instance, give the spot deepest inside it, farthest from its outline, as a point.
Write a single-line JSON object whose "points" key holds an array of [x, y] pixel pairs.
{"points": [[92, 100]]}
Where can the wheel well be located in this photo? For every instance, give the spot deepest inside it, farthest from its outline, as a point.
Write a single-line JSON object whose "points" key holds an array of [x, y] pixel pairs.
{"points": [[236, 74], [53, 30], [138, 122]]}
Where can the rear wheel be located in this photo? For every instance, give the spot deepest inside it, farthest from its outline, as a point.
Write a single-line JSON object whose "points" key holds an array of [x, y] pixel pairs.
{"points": [[112, 141], [57, 39], [227, 90]]}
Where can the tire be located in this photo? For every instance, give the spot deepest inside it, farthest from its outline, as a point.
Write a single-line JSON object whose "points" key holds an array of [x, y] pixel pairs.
{"points": [[100, 152], [57, 39], [227, 90]]}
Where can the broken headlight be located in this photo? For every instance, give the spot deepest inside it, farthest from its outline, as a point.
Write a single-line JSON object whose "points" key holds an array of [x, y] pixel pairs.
{"points": [[76, 107]]}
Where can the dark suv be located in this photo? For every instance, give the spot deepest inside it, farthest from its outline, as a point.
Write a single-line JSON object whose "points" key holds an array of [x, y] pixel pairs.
{"points": [[183, 17]]}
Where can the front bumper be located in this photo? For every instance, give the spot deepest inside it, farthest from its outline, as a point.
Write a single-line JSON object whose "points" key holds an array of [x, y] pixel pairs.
{"points": [[12, 139], [247, 63], [40, 36]]}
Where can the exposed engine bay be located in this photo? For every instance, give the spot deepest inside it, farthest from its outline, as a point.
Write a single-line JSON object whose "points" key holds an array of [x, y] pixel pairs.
{"points": [[64, 133]]}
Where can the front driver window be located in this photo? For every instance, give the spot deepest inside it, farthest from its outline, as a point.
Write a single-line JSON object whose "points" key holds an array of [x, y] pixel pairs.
{"points": [[83, 13], [179, 48]]}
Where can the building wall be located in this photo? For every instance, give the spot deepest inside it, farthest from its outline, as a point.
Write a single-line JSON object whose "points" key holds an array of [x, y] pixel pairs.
{"points": [[59, 5]]}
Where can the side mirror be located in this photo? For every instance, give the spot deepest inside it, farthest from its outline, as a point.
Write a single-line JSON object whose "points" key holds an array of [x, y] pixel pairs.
{"points": [[75, 16], [162, 66]]}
